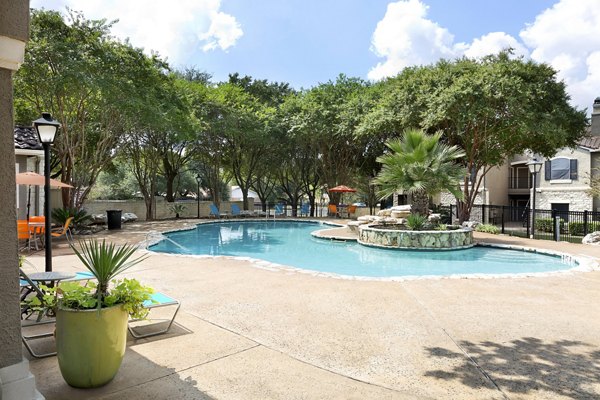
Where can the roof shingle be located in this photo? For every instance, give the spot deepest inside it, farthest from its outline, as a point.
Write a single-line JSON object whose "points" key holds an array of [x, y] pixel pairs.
{"points": [[591, 142], [26, 138]]}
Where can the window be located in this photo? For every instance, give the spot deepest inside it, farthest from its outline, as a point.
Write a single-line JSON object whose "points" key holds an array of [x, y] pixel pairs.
{"points": [[560, 169]]}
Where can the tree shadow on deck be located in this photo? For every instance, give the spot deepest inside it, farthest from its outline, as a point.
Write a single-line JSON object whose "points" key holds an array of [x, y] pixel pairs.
{"points": [[527, 366]]}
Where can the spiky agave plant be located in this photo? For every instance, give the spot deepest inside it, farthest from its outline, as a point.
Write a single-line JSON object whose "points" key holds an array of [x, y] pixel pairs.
{"points": [[105, 261]]}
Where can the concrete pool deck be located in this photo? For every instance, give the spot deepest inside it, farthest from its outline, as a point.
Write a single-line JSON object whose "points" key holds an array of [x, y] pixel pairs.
{"points": [[250, 333]]}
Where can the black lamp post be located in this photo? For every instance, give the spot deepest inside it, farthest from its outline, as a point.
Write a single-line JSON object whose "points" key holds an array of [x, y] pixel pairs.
{"points": [[198, 180], [46, 129], [535, 166]]}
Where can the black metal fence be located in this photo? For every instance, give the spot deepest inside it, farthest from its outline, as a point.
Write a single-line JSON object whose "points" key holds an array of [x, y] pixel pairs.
{"points": [[570, 226]]}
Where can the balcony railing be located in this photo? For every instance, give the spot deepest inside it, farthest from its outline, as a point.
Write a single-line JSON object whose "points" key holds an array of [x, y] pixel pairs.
{"points": [[519, 182]]}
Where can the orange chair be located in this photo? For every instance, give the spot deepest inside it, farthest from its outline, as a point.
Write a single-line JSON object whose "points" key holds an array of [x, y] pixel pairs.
{"points": [[64, 231], [38, 230], [332, 210], [351, 210], [24, 233]]}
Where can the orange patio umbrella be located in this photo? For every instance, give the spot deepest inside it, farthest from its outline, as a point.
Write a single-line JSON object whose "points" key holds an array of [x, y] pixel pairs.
{"points": [[342, 189], [31, 178]]}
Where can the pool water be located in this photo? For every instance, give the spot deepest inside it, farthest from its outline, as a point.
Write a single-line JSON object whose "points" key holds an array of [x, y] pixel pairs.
{"points": [[290, 243]]}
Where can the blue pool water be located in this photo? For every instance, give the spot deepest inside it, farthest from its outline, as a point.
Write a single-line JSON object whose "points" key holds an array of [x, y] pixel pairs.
{"points": [[290, 243]]}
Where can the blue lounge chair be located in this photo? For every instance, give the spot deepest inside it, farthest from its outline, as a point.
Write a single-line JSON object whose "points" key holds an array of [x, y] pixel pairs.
{"points": [[235, 211], [214, 212], [305, 209], [279, 210], [157, 300], [31, 318], [26, 284]]}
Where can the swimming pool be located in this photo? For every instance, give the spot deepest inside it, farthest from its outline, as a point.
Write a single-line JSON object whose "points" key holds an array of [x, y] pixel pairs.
{"points": [[290, 243]]}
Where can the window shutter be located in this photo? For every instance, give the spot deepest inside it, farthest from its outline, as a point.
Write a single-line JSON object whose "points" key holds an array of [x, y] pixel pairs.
{"points": [[547, 170], [574, 170]]}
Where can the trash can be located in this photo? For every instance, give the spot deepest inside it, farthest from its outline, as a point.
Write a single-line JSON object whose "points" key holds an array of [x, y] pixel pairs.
{"points": [[113, 219]]}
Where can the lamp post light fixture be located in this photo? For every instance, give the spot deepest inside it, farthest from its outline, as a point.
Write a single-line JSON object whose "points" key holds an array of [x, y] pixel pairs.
{"points": [[535, 166], [46, 129], [198, 180]]}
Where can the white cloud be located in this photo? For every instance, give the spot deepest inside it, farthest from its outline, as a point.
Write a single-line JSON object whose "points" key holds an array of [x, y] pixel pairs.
{"points": [[493, 43], [223, 32], [405, 37], [172, 28], [567, 36]]}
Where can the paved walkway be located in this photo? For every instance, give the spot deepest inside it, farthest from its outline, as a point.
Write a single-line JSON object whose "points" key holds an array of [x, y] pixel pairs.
{"points": [[251, 333]]}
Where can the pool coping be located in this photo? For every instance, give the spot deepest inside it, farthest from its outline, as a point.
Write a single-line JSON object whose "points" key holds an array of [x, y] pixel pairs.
{"points": [[583, 263]]}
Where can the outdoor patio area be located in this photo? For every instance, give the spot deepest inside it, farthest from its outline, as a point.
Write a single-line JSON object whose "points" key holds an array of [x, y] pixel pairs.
{"points": [[249, 333]]}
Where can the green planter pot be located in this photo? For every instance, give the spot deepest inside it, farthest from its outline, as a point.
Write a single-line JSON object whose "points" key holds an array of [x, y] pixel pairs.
{"points": [[90, 344]]}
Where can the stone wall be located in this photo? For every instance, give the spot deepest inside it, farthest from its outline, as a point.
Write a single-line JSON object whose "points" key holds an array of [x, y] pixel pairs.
{"points": [[430, 240], [577, 199], [447, 198], [138, 207]]}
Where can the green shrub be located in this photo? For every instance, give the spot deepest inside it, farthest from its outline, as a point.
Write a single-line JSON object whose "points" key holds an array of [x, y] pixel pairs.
{"points": [[487, 228], [547, 225], [576, 228], [80, 216], [416, 222], [544, 225], [441, 227]]}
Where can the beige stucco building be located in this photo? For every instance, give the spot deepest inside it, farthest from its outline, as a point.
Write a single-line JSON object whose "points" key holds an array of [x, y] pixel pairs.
{"points": [[561, 185]]}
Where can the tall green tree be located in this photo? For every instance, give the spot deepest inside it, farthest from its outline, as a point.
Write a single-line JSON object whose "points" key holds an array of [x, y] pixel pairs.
{"points": [[251, 138], [179, 131], [89, 82], [209, 146], [325, 118], [421, 166], [493, 109]]}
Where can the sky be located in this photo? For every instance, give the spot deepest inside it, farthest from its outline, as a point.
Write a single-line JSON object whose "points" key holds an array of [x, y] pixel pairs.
{"points": [[306, 42]]}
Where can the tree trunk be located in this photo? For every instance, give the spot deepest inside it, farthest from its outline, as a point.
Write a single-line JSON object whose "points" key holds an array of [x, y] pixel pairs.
{"points": [[420, 203], [311, 201], [170, 180], [294, 205], [463, 212], [245, 197]]}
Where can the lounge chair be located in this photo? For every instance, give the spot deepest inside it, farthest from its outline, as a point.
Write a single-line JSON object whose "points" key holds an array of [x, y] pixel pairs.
{"points": [[279, 210], [30, 318], [305, 209], [64, 231], [158, 300], [214, 212], [235, 211], [81, 276]]}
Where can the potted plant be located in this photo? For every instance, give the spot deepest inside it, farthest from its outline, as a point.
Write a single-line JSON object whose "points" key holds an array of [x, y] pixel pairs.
{"points": [[91, 320]]}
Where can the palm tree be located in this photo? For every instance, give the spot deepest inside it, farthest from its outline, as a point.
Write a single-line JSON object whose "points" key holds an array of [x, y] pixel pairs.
{"points": [[421, 166]]}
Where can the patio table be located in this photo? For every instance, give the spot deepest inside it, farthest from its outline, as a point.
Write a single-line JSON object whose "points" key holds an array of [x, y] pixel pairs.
{"points": [[50, 278]]}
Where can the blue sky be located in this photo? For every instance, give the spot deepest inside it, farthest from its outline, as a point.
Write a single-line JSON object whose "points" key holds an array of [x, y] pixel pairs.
{"points": [[307, 42]]}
